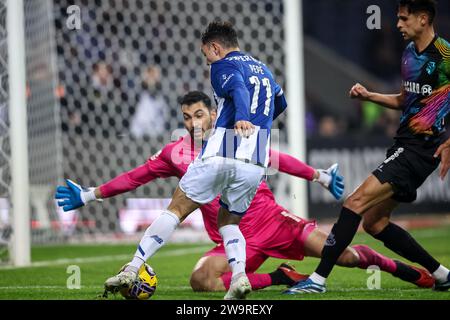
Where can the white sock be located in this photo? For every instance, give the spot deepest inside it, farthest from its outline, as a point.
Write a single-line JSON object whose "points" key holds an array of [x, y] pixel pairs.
{"points": [[441, 274], [135, 265], [154, 238], [234, 243], [317, 278]]}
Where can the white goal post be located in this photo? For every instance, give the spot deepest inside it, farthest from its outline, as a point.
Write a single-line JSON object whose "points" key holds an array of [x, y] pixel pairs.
{"points": [[20, 243], [295, 90]]}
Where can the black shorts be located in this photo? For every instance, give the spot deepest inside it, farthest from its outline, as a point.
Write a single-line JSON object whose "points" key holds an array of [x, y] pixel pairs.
{"points": [[406, 168]]}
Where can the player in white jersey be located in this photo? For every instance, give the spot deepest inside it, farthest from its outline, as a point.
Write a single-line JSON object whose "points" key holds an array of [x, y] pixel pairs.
{"points": [[232, 162]]}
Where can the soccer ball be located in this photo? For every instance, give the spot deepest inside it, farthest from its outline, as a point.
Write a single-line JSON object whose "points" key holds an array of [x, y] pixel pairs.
{"points": [[144, 287]]}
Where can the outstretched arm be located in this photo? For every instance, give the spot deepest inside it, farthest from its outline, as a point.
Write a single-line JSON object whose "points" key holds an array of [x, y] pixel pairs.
{"points": [[292, 166], [390, 101], [329, 178], [126, 182], [74, 196]]}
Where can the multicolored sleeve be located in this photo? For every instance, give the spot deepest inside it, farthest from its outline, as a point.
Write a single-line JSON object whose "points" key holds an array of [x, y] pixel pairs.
{"points": [[444, 49]]}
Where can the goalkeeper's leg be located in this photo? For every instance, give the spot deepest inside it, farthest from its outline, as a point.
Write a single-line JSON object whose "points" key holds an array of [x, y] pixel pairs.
{"points": [[154, 238], [213, 273]]}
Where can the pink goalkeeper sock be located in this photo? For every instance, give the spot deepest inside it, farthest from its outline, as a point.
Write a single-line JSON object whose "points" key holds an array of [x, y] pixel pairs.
{"points": [[258, 281], [369, 257]]}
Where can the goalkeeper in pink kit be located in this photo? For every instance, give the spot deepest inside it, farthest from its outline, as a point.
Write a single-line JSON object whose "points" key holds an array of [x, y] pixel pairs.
{"points": [[269, 229]]}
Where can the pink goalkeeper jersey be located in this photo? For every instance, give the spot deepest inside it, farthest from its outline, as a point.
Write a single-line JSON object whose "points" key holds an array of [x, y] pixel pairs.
{"points": [[173, 161]]}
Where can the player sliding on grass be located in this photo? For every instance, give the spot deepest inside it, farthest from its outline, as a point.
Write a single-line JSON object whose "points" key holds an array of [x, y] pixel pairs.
{"points": [[233, 159], [269, 229], [425, 102]]}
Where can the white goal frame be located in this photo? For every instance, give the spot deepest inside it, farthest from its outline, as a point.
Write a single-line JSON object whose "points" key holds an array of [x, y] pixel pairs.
{"points": [[20, 199]]}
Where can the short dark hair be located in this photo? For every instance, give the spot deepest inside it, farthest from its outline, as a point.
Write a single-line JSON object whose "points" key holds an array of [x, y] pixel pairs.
{"points": [[222, 32], [415, 6], [196, 96]]}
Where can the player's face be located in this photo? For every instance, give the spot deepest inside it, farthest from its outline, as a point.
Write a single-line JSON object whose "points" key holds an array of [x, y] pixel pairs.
{"points": [[197, 119], [411, 25], [211, 52]]}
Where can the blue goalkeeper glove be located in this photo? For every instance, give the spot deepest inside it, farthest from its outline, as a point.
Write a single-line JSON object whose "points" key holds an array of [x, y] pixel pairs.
{"points": [[74, 196], [332, 180]]}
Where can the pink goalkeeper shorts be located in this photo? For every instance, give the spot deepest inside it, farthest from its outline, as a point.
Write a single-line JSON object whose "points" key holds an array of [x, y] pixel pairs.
{"points": [[287, 242]]}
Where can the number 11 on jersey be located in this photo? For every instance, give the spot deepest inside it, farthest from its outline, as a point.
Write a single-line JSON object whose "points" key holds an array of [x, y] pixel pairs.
{"points": [[266, 83]]}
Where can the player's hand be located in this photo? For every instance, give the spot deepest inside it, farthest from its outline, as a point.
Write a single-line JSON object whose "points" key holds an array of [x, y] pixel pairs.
{"points": [[444, 152], [74, 196], [359, 91], [244, 128], [332, 180]]}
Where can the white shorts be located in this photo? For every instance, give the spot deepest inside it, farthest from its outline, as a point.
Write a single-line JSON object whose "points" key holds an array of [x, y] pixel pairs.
{"points": [[235, 180]]}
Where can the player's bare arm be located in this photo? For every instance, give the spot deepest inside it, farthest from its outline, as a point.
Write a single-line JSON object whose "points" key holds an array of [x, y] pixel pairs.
{"points": [[390, 101], [444, 152]]}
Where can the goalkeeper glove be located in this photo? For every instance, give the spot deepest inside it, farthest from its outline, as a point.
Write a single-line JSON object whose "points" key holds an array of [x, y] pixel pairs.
{"points": [[74, 196], [331, 180]]}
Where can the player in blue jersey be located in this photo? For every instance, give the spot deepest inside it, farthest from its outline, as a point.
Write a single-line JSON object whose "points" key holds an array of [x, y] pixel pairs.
{"points": [[247, 96], [424, 101], [233, 159]]}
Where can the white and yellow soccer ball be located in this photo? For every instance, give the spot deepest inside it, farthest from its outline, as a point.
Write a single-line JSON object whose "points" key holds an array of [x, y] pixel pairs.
{"points": [[144, 287]]}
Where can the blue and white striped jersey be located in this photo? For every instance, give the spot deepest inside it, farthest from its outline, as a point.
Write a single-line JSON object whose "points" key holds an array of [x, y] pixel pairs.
{"points": [[244, 89]]}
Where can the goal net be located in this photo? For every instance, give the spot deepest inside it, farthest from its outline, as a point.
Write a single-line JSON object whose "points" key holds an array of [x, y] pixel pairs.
{"points": [[5, 176], [103, 79], [122, 72]]}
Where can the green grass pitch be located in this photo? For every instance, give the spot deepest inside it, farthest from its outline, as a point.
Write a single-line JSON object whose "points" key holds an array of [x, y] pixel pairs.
{"points": [[47, 278]]}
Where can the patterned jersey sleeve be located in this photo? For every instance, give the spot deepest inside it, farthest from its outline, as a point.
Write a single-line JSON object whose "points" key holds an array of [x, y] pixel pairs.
{"points": [[447, 60], [444, 49]]}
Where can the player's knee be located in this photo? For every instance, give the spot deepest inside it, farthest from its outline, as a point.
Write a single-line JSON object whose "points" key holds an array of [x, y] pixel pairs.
{"points": [[358, 202], [200, 281], [372, 227], [348, 258], [353, 202], [197, 281], [179, 212], [368, 227], [225, 218]]}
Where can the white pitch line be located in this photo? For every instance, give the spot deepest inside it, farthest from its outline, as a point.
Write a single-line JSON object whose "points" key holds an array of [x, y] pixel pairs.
{"points": [[32, 287], [172, 288], [183, 288], [47, 263]]}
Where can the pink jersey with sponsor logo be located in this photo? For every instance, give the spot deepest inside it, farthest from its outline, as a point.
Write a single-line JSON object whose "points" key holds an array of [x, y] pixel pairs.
{"points": [[264, 215]]}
